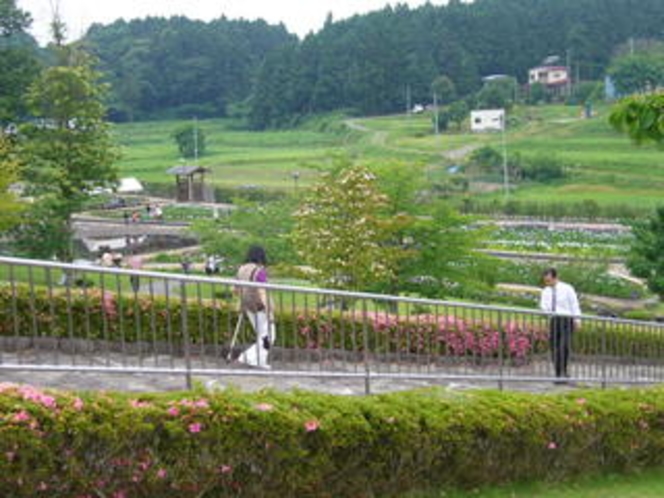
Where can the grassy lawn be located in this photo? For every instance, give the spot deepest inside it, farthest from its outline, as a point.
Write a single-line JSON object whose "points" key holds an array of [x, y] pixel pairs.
{"points": [[236, 158], [603, 165], [646, 485]]}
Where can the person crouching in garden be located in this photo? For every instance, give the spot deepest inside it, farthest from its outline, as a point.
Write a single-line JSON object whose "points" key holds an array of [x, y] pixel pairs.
{"points": [[256, 305], [561, 302]]}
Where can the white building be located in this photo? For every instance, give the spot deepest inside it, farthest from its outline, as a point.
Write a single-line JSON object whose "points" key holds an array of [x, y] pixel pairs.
{"points": [[554, 78], [487, 120]]}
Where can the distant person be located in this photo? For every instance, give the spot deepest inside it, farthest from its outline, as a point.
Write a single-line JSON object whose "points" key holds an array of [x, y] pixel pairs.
{"points": [[116, 257], [560, 300], [107, 259], [158, 213], [211, 265], [136, 217], [185, 262], [256, 305], [126, 217], [148, 211], [136, 264]]}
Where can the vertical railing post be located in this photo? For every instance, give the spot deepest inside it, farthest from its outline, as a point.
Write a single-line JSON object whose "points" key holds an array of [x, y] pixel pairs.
{"points": [[501, 351], [186, 343], [604, 357], [365, 345]]}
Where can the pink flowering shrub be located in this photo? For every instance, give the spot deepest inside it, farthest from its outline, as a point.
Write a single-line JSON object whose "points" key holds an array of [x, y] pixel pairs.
{"points": [[59, 445], [464, 338], [425, 335]]}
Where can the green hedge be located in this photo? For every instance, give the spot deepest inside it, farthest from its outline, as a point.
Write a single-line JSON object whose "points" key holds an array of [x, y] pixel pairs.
{"points": [[212, 322], [309, 445]]}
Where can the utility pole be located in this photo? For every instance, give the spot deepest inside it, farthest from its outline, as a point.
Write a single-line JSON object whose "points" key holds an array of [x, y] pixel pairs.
{"points": [[409, 106], [196, 141], [568, 56], [436, 121], [506, 175]]}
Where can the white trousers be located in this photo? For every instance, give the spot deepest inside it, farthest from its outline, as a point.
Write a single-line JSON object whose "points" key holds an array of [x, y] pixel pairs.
{"points": [[264, 327]]}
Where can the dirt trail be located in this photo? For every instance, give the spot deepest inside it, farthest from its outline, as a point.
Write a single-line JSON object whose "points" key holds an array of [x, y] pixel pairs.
{"points": [[379, 138]]}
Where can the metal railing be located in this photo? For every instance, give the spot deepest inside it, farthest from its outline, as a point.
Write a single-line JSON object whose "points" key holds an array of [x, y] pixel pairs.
{"points": [[67, 318]]}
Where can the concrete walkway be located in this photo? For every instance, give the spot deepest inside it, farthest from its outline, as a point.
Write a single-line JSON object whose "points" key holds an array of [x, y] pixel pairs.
{"points": [[250, 380]]}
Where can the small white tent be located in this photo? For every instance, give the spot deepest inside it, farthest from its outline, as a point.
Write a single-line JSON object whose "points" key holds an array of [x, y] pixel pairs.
{"points": [[129, 186]]}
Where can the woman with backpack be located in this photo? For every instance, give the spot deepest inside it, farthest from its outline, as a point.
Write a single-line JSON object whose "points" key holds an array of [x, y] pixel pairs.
{"points": [[257, 307]]}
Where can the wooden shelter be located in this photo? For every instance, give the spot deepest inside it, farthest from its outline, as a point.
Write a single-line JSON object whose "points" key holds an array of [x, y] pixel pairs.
{"points": [[190, 183]]}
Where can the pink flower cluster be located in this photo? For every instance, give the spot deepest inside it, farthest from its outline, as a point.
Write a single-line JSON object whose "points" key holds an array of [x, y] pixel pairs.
{"points": [[30, 393], [264, 407], [435, 335]]}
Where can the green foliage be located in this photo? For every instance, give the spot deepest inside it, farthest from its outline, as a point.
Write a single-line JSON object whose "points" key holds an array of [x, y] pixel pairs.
{"points": [[456, 113], [190, 140], [641, 117], [12, 19], [445, 89], [486, 158], [587, 209], [542, 168], [343, 231], [586, 92], [443, 254], [497, 94], [18, 60], [537, 94], [268, 444], [10, 207], [43, 232], [646, 258], [439, 252], [638, 73], [251, 223], [586, 278], [68, 149]]}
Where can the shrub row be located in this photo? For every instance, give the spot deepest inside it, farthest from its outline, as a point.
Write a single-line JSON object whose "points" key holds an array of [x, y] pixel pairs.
{"points": [[588, 209], [90, 314], [253, 193], [308, 445]]}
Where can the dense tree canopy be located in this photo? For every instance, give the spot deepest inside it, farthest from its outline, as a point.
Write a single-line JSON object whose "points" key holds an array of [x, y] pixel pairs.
{"points": [[67, 151], [179, 66], [18, 60], [12, 19], [646, 258], [9, 168], [369, 63]]}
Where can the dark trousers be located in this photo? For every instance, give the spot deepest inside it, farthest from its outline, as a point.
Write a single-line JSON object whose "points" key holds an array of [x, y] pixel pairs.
{"points": [[561, 329], [135, 283]]}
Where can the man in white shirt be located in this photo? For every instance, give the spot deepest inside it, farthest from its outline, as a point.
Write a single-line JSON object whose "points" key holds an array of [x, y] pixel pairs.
{"points": [[560, 300]]}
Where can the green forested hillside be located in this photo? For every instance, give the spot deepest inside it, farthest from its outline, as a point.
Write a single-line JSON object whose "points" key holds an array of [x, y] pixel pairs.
{"points": [[178, 67], [368, 63]]}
